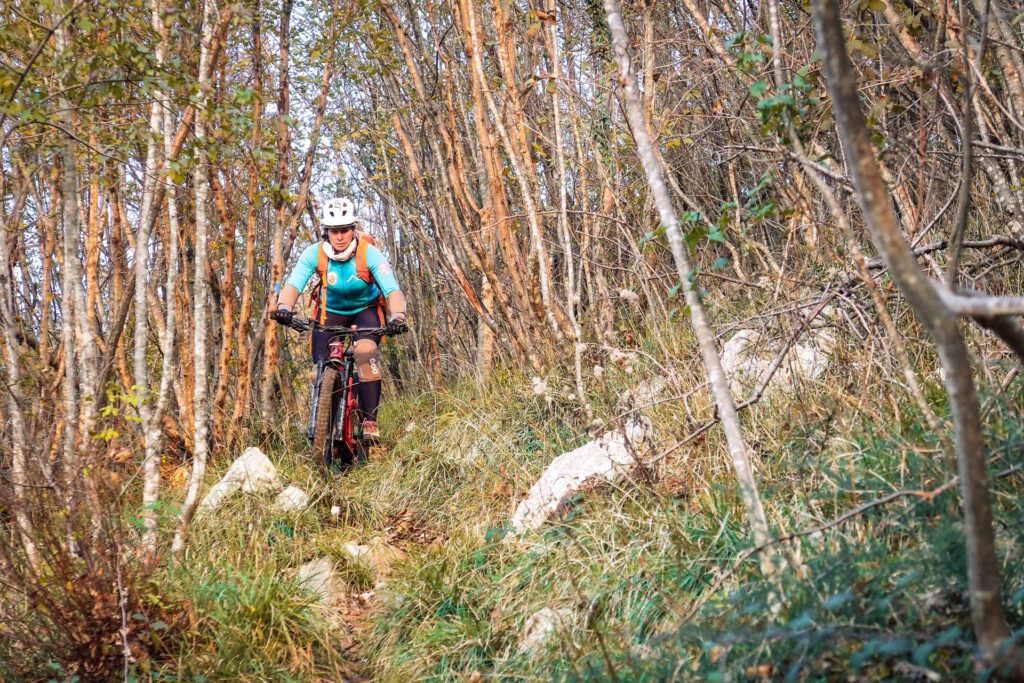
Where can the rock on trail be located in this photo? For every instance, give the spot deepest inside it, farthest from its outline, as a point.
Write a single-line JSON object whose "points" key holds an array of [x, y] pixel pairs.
{"points": [[607, 459], [250, 472]]}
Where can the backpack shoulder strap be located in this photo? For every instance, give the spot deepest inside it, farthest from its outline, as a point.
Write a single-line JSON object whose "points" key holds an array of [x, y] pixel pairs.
{"points": [[363, 271], [320, 293], [362, 268], [321, 262]]}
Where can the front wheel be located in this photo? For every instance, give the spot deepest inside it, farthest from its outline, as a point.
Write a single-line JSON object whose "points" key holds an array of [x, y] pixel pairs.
{"points": [[323, 429]]}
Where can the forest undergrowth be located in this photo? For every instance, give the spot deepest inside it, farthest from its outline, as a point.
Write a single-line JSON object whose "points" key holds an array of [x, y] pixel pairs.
{"points": [[647, 575]]}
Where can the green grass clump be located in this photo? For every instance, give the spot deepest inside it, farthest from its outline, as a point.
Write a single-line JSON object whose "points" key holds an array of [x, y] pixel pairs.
{"points": [[258, 627]]}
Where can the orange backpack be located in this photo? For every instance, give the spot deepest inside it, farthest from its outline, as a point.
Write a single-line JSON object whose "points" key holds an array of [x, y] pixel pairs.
{"points": [[318, 301]]}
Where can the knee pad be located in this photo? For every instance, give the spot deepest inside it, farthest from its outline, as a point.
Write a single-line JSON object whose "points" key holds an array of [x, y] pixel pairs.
{"points": [[368, 361]]}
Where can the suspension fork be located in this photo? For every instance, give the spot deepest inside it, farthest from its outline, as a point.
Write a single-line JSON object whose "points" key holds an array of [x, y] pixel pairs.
{"points": [[320, 365]]}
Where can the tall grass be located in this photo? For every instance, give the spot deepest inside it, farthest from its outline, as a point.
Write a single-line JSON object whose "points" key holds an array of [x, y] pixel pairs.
{"points": [[880, 596]]}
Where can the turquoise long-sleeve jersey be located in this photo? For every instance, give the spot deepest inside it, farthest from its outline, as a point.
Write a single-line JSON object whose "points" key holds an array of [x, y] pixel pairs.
{"points": [[347, 294]]}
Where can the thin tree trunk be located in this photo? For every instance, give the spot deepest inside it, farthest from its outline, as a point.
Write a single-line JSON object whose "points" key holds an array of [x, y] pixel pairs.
{"points": [[167, 340], [277, 250], [227, 217], [200, 291], [119, 261], [92, 245], [738, 449], [241, 409], [79, 347], [571, 296], [983, 575], [150, 427], [154, 436], [49, 242], [19, 477]]}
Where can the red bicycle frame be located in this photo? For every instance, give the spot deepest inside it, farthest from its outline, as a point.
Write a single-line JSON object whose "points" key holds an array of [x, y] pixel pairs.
{"points": [[344, 437], [341, 357]]}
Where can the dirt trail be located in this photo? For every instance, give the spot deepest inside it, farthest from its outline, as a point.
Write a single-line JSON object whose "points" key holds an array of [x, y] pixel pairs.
{"points": [[404, 533]]}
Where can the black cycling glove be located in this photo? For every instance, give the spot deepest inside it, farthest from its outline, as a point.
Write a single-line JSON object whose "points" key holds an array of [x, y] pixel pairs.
{"points": [[397, 324], [283, 316]]}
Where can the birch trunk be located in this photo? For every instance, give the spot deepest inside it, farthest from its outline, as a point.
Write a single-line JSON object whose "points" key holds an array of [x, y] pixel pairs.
{"points": [[200, 291], [150, 426], [19, 453], [738, 449], [79, 347], [167, 341]]}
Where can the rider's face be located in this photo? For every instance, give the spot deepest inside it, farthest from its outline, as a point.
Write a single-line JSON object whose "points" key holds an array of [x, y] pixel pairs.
{"points": [[341, 237]]}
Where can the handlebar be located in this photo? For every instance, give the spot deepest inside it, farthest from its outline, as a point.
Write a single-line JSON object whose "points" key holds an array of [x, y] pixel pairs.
{"points": [[306, 324]]}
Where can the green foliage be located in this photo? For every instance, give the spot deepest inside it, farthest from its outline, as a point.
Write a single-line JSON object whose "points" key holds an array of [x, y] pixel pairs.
{"points": [[794, 103], [745, 49]]}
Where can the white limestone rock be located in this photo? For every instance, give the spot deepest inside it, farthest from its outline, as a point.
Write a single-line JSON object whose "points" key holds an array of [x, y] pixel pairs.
{"points": [[540, 627], [317, 577], [606, 459], [250, 472], [747, 358], [356, 551], [292, 499], [376, 555]]}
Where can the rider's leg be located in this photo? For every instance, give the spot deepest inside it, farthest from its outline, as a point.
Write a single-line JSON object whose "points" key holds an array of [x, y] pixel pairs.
{"points": [[369, 368], [368, 365]]}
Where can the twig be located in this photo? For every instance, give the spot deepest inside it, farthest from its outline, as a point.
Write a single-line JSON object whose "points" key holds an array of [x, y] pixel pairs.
{"points": [[122, 604], [1003, 326], [993, 241], [980, 305], [938, 216]]}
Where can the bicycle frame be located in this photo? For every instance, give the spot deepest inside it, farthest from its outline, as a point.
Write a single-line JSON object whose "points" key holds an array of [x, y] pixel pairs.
{"points": [[341, 356], [345, 430]]}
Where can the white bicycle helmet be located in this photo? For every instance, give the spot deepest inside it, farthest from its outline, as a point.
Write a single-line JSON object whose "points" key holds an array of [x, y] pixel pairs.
{"points": [[338, 211]]}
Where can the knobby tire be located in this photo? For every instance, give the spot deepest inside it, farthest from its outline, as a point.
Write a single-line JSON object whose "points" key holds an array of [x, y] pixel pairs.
{"points": [[323, 430]]}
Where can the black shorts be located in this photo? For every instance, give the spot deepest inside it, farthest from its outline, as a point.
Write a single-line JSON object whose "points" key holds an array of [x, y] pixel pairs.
{"points": [[370, 316]]}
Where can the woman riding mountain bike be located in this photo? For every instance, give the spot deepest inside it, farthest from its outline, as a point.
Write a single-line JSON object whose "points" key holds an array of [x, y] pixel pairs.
{"points": [[357, 287]]}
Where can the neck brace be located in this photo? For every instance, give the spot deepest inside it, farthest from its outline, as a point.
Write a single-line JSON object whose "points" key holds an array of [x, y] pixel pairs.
{"points": [[343, 255]]}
